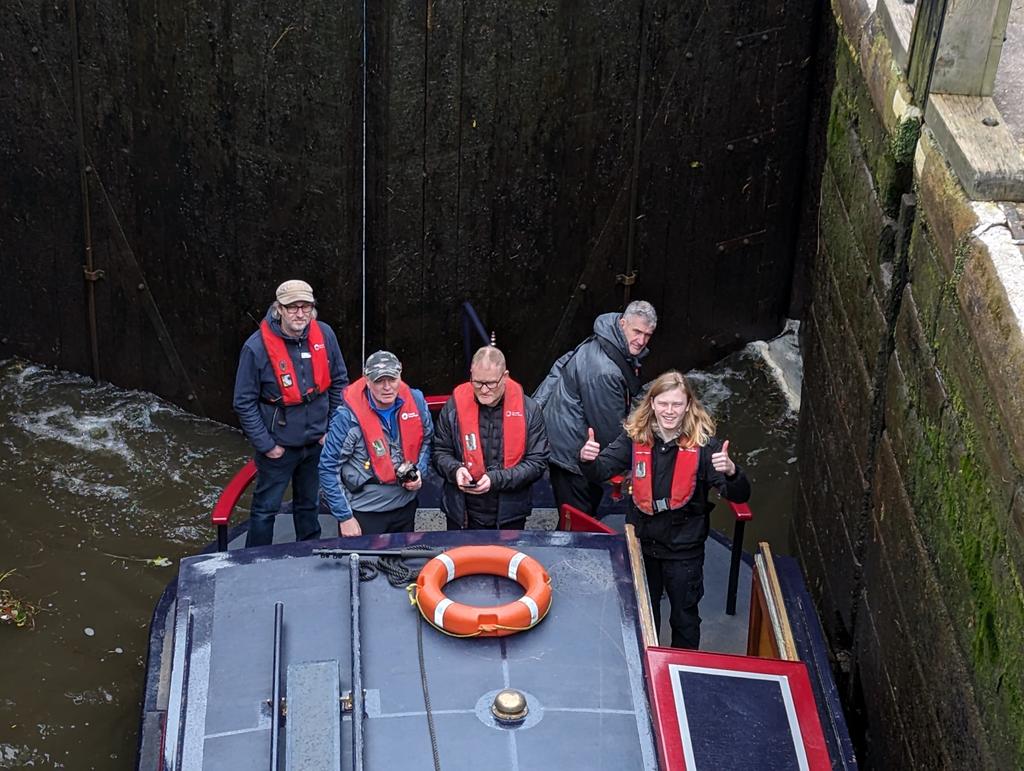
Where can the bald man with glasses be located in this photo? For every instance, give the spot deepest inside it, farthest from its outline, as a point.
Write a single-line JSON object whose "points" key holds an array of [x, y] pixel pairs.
{"points": [[490, 446]]}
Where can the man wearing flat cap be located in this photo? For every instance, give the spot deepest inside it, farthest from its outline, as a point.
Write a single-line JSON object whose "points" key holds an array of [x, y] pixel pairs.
{"points": [[291, 375], [377, 451]]}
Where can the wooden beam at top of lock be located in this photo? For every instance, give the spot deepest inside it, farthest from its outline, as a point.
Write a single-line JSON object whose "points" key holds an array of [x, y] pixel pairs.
{"points": [[955, 47]]}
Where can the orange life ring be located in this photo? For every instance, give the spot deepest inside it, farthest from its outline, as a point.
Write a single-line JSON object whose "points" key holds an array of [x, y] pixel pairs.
{"points": [[462, 620]]}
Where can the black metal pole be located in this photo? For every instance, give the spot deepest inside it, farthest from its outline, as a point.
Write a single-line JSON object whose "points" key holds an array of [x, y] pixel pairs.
{"points": [[357, 669], [222, 537], [88, 270], [734, 567], [275, 699]]}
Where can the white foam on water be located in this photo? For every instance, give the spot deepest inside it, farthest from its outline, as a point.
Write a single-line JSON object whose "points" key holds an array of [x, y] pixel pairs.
{"points": [[785, 363], [99, 490], [90, 433]]}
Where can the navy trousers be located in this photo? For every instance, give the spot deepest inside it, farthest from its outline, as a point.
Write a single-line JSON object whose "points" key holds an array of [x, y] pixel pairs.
{"points": [[298, 466], [683, 579]]}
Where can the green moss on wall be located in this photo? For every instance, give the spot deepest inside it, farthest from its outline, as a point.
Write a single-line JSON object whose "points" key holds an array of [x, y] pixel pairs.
{"points": [[962, 507], [904, 141], [945, 416]]}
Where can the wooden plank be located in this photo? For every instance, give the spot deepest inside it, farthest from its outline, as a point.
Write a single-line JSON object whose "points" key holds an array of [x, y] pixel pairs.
{"points": [[765, 566], [759, 641], [969, 47], [897, 18], [923, 40], [985, 158], [643, 595]]}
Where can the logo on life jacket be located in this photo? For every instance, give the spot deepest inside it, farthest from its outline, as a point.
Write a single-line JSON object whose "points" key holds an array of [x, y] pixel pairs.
{"points": [[378, 448], [408, 415], [318, 346], [471, 442], [513, 414], [641, 470], [286, 380]]}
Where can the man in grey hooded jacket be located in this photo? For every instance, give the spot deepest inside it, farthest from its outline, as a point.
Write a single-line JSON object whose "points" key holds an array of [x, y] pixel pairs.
{"points": [[588, 392]]}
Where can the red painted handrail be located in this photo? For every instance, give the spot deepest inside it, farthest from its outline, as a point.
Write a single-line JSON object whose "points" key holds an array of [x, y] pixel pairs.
{"points": [[435, 403], [742, 511], [229, 498]]}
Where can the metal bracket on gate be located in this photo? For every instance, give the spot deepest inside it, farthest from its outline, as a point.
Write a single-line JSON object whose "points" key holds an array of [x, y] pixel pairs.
{"points": [[626, 279], [92, 275]]}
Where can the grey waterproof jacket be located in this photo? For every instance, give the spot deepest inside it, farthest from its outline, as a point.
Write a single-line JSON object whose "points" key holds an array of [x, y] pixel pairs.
{"points": [[586, 389]]}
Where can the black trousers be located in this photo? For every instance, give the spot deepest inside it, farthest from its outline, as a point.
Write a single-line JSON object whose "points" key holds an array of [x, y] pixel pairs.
{"points": [[575, 489], [401, 520], [683, 579]]}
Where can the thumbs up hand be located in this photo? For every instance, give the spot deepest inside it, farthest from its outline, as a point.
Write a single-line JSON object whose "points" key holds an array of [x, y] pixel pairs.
{"points": [[722, 462], [591, 449]]}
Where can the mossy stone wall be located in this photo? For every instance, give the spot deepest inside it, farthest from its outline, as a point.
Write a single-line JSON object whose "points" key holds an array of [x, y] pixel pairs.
{"points": [[910, 515]]}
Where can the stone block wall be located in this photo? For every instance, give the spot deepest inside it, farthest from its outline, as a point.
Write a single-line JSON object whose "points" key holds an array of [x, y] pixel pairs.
{"points": [[910, 511]]}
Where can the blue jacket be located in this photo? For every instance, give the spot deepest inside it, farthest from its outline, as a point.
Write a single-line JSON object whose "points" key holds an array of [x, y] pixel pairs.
{"points": [[266, 425], [346, 476]]}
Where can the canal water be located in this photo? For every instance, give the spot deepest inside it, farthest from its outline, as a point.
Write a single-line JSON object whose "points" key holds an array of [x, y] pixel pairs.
{"points": [[97, 484]]}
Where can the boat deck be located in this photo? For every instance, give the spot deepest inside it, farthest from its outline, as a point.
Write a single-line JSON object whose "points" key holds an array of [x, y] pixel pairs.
{"points": [[580, 668], [720, 632]]}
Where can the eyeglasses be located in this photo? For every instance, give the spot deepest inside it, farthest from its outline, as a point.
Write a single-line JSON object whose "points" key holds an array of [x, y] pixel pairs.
{"points": [[298, 308], [487, 385]]}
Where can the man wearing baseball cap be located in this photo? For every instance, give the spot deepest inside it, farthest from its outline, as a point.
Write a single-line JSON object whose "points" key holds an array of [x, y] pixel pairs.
{"points": [[290, 376], [377, 451]]}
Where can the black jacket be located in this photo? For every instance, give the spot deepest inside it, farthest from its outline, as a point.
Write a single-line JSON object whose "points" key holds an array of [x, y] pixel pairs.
{"points": [[678, 533], [586, 389], [509, 497]]}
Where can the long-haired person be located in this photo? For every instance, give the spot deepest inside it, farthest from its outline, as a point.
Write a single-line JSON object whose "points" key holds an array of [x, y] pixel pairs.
{"points": [[669, 447]]}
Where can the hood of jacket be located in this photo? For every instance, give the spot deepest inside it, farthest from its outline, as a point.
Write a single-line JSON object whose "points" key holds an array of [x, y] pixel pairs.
{"points": [[607, 326]]}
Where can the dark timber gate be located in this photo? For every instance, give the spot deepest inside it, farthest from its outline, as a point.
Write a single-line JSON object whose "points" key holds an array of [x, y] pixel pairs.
{"points": [[542, 159]]}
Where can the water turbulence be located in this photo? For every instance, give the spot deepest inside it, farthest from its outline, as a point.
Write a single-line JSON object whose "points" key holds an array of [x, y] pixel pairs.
{"points": [[103, 490], [96, 483]]}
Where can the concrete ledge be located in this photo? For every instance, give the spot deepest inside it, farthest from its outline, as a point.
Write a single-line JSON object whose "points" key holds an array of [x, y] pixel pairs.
{"points": [[985, 158]]}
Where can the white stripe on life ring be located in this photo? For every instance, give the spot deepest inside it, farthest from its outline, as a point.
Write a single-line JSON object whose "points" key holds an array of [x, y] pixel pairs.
{"points": [[534, 611], [440, 609], [513, 564], [449, 563]]}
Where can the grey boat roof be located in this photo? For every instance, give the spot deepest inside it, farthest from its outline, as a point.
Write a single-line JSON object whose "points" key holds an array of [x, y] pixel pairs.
{"points": [[580, 668]]}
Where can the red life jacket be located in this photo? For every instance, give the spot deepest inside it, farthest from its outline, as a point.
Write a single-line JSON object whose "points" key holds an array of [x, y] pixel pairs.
{"points": [[684, 477], [284, 371], [410, 429], [513, 427]]}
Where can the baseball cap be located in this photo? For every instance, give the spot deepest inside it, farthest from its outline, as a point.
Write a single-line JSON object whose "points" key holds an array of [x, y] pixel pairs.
{"points": [[295, 291], [382, 364]]}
